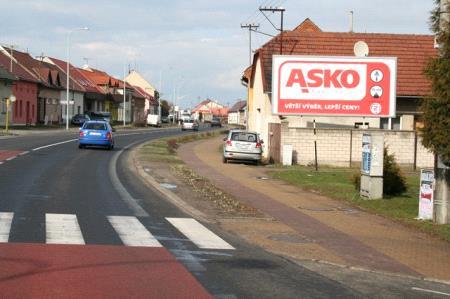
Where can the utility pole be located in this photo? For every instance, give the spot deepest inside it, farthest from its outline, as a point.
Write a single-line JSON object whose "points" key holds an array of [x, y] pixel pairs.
{"points": [[250, 27], [442, 170], [281, 10]]}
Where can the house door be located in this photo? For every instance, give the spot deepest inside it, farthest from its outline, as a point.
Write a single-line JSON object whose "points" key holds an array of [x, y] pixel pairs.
{"points": [[275, 142]]}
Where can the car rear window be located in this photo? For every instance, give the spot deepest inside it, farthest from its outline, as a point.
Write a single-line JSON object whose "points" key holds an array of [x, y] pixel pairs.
{"points": [[188, 121], [243, 136], [95, 126]]}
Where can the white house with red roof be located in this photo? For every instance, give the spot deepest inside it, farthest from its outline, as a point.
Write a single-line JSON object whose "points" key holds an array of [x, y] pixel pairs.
{"points": [[205, 110]]}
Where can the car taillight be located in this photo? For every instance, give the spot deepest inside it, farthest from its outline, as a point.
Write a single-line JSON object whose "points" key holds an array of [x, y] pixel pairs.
{"points": [[81, 134], [258, 145], [108, 135], [229, 143]]}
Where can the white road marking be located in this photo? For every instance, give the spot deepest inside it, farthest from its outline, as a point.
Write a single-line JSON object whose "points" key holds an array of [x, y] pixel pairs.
{"points": [[430, 291], [11, 158], [5, 226], [199, 234], [63, 229], [1, 162], [24, 153], [120, 188], [132, 232], [54, 144]]}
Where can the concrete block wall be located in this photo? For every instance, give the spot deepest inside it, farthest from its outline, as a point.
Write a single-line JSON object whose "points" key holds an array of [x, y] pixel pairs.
{"points": [[340, 147]]}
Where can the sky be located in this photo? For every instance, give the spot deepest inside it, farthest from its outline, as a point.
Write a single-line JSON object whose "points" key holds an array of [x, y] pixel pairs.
{"points": [[189, 50]]}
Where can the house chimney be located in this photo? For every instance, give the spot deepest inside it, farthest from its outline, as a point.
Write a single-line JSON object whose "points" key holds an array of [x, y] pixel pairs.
{"points": [[351, 21]]}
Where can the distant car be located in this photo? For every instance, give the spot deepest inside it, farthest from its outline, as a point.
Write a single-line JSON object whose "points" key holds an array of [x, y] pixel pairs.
{"points": [[190, 124], [96, 133], [216, 122], [242, 145], [100, 115], [79, 119], [165, 119]]}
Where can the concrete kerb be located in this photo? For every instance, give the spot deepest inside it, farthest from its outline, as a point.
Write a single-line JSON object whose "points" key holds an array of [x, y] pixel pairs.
{"points": [[169, 195], [361, 269]]}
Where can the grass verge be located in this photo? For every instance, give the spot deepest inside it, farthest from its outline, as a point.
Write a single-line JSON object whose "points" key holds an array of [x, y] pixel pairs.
{"points": [[164, 151], [337, 183]]}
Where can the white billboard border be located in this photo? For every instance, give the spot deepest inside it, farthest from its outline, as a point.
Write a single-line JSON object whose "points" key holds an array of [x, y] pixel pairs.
{"points": [[392, 104]]}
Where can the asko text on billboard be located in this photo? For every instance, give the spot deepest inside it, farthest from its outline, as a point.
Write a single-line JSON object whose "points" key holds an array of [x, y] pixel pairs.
{"points": [[334, 86]]}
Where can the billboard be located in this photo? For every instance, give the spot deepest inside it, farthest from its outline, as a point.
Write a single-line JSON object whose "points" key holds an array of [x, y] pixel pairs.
{"points": [[334, 86]]}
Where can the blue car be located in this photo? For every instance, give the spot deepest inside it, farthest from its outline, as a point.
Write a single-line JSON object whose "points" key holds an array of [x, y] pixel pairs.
{"points": [[96, 133]]}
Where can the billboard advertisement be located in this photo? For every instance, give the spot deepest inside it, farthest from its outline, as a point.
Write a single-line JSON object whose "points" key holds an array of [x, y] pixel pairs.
{"points": [[334, 86]]}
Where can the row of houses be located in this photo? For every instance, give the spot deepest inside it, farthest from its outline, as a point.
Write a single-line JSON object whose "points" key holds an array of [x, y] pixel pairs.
{"points": [[40, 88], [412, 52]]}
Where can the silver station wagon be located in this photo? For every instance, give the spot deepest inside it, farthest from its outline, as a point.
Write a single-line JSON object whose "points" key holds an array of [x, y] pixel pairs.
{"points": [[242, 145]]}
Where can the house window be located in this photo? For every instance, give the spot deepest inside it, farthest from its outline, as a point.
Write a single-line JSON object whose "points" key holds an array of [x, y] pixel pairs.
{"points": [[15, 108], [78, 109]]}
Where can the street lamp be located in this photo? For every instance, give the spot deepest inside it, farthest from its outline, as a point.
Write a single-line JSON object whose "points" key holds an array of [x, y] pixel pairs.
{"points": [[68, 72]]}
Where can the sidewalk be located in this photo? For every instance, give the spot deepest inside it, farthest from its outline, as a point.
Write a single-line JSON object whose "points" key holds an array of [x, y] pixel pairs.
{"points": [[335, 232]]}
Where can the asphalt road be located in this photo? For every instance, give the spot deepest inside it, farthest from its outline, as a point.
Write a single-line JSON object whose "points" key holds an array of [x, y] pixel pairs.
{"points": [[78, 223]]}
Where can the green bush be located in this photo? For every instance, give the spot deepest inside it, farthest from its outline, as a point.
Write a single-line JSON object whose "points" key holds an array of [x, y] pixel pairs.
{"points": [[393, 178]]}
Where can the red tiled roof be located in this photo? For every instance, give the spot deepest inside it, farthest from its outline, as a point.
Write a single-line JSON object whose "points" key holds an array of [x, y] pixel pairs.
{"points": [[412, 52], [144, 94], [17, 70], [78, 81], [219, 111]]}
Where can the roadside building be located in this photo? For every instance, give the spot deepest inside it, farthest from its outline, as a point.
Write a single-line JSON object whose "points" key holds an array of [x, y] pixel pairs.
{"points": [[412, 52], [111, 93], [83, 92], [204, 111], [237, 113], [6, 84], [151, 94], [25, 89]]}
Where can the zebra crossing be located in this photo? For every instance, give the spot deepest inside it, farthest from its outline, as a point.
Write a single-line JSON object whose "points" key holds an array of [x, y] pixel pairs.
{"points": [[65, 229]]}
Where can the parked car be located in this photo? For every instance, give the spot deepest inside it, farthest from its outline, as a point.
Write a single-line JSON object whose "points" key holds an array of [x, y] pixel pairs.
{"points": [[190, 124], [79, 119], [96, 133], [165, 119], [242, 145], [216, 122]]}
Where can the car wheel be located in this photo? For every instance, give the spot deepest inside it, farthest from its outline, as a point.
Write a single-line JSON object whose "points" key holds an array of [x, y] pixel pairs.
{"points": [[224, 160], [80, 146]]}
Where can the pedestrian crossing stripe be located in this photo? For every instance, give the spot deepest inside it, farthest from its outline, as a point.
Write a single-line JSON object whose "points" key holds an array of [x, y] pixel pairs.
{"points": [[132, 232], [199, 234], [5, 226], [64, 229]]}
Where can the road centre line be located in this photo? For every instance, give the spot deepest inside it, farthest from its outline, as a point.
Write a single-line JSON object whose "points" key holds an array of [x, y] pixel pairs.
{"points": [[63, 229], [11, 158], [199, 234], [132, 232], [54, 144], [430, 291], [5, 226], [24, 153]]}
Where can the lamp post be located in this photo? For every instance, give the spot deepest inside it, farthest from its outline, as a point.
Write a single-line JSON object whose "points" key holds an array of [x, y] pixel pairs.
{"points": [[9, 100], [68, 72]]}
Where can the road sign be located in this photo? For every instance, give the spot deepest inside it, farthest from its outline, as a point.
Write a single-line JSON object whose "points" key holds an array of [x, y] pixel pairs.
{"points": [[334, 86]]}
